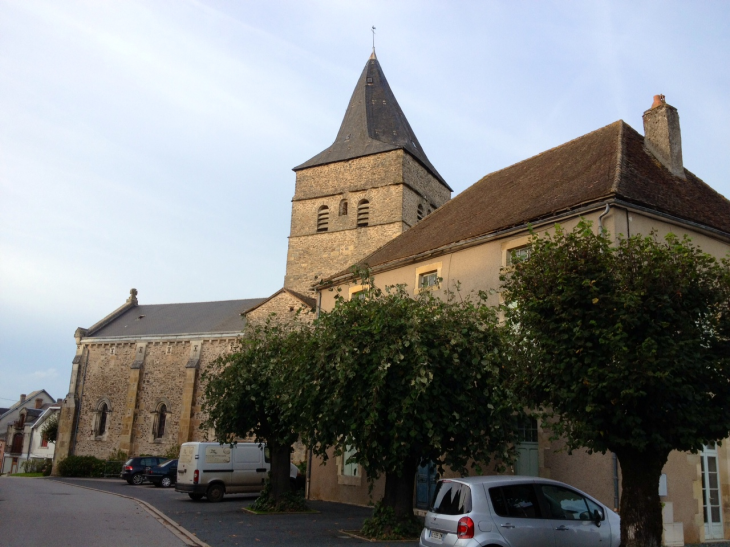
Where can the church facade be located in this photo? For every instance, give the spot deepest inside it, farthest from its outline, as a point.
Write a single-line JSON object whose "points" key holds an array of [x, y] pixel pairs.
{"points": [[373, 198]]}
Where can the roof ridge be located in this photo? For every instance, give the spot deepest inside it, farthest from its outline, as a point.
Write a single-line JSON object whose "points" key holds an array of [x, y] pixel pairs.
{"points": [[620, 151], [203, 302]]}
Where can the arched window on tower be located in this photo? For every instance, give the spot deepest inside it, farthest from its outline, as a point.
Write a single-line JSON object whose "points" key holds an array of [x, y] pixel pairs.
{"points": [[161, 419], [343, 208], [101, 428], [323, 219], [363, 213], [419, 212]]}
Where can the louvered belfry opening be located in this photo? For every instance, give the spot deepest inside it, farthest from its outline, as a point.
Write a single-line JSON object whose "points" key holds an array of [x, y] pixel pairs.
{"points": [[419, 213], [363, 213], [323, 219]]}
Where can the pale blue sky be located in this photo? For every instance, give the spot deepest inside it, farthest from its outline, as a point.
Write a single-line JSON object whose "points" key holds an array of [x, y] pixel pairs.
{"points": [[150, 143]]}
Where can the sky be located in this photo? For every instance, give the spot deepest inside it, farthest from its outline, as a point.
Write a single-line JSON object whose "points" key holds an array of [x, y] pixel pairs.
{"points": [[149, 143]]}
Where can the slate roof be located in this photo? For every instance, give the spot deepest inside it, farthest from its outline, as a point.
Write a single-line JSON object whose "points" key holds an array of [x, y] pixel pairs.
{"points": [[189, 318], [608, 163], [373, 123]]}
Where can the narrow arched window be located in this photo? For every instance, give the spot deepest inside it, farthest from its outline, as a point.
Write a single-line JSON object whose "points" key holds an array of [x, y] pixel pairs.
{"points": [[343, 208], [103, 411], [323, 219], [161, 419], [363, 212], [419, 213]]}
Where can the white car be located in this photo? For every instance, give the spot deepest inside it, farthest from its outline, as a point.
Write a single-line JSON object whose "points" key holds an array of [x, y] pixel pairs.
{"points": [[514, 511]]}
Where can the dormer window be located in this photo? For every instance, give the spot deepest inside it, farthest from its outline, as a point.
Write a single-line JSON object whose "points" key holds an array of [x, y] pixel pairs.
{"points": [[323, 219], [343, 208], [363, 213]]}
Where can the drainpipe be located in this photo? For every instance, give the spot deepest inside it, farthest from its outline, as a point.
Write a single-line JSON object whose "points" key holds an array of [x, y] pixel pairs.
{"points": [[615, 482], [600, 218]]}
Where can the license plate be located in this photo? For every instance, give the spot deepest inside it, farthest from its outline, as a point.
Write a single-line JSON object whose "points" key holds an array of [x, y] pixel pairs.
{"points": [[436, 535]]}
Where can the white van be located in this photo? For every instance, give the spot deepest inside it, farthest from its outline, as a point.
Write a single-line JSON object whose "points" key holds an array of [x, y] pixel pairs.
{"points": [[213, 470]]}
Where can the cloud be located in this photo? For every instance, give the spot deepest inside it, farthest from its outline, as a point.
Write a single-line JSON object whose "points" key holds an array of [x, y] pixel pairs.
{"points": [[45, 374]]}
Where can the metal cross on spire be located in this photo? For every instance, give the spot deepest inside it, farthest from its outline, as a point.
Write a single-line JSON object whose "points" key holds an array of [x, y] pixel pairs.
{"points": [[373, 30]]}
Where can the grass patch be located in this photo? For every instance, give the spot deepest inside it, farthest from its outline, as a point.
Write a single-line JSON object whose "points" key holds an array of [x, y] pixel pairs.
{"points": [[27, 475]]}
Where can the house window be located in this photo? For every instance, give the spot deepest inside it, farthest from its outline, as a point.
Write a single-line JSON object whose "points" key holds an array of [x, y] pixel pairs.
{"points": [[428, 280], [323, 219], [363, 213], [44, 441], [343, 208], [161, 419], [518, 254], [103, 411], [17, 446], [419, 213], [349, 469]]}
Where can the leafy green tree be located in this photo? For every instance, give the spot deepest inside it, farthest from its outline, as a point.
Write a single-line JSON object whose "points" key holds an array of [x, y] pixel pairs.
{"points": [[49, 431], [243, 393], [404, 380], [626, 345]]}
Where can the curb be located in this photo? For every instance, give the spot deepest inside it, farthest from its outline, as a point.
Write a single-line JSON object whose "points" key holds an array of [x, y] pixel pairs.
{"points": [[181, 533]]}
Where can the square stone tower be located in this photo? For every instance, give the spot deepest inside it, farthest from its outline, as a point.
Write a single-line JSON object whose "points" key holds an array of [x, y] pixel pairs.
{"points": [[371, 185]]}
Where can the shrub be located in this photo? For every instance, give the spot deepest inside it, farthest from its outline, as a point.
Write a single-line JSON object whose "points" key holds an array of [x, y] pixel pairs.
{"points": [[290, 502], [384, 525], [38, 466], [117, 456], [81, 466], [172, 452]]}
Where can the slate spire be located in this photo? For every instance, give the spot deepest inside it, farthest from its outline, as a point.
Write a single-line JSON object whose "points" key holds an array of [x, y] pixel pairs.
{"points": [[373, 123]]}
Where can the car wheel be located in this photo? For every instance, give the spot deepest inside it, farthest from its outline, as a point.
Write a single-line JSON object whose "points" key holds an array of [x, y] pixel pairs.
{"points": [[166, 482], [196, 497], [215, 493], [138, 479]]}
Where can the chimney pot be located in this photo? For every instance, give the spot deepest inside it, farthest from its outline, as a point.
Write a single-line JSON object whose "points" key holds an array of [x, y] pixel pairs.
{"points": [[22, 397], [662, 136]]}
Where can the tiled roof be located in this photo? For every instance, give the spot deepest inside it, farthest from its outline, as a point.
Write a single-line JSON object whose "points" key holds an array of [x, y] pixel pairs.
{"points": [[310, 302], [608, 163], [373, 123], [168, 319]]}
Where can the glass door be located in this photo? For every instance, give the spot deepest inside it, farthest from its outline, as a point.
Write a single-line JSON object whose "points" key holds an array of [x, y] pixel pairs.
{"points": [[711, 493]]}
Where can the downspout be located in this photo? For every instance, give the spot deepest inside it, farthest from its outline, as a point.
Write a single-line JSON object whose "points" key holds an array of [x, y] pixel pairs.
{"points": [[309, 454], [600, 218], [615, 482], [30, 444]]}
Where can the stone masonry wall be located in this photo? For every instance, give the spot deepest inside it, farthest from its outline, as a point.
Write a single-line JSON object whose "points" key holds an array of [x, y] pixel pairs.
{"points": [[313, 257], [416, 176], [285, 306]]}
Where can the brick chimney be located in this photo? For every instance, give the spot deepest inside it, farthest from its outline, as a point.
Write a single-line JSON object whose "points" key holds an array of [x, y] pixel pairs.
{"points": [[22, 398], [662, 136]]}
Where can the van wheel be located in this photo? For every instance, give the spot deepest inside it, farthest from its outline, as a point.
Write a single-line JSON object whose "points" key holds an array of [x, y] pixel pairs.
{"points": [[215, 492], [196, 497]]}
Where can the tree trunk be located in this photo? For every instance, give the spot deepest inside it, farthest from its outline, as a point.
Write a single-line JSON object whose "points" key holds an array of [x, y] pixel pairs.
{"points": [[399, 489], [280, 455], [641, 510]]}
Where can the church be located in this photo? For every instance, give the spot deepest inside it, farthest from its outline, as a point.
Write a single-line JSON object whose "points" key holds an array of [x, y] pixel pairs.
{"points": [[373, 198]]}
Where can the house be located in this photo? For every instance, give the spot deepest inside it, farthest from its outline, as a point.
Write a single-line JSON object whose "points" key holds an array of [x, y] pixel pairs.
{"points": [[13, 427]]}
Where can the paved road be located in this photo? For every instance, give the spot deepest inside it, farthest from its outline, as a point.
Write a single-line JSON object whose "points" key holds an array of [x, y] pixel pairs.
{"points": [[42, 512], [223, 524]]}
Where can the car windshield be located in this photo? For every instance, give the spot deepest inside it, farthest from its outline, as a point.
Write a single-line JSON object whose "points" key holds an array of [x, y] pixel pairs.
{"points": [[129, 461], [451, 498], [165, 464]]}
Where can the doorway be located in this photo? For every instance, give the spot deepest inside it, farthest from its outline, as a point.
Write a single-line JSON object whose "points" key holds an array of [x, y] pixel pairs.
{"points": [[425, 485], [711, 493]]}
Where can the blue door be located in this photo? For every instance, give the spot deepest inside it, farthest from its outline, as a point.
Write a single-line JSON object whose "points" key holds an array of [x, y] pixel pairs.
{"points": [[425, 485]]}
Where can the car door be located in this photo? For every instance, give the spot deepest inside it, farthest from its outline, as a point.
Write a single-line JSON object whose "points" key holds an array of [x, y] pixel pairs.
{"points": [[572, 517], [517, 514]]}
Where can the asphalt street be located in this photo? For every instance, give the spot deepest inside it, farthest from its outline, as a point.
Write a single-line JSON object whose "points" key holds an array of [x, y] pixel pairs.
{"points": [[41, 512], [225, 523]]}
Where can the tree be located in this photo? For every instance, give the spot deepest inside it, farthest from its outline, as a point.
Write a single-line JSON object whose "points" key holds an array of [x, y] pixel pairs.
{"points": [[49, 431], [626, 347], [243, 394], [405, 380]]}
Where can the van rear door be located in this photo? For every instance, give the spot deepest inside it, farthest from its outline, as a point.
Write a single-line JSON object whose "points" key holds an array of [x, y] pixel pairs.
{"points": [[186, 464]]}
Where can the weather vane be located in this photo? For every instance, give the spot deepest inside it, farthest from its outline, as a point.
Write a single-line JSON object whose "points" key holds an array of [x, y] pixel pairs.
{"points": [[373, 37]]}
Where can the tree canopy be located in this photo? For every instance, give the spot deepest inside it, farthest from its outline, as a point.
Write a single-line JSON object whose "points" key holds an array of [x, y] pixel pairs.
{"points": [[625, 345], [404, 380]]}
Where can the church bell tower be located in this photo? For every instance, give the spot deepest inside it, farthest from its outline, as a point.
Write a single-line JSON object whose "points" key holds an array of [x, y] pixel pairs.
{"points": [[373, 183]]}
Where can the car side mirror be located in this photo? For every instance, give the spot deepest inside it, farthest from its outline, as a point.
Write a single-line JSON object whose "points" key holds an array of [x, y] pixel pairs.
{"points": [[597, 517]]}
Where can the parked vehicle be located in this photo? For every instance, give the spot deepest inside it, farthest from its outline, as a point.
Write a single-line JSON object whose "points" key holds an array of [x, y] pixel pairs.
{"points": [[134, 468], [514, 511], [164, 475], [212, 470]]}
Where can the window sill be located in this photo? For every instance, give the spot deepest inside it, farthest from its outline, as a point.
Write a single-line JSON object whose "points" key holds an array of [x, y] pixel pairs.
{"points": [[348, 480]]}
